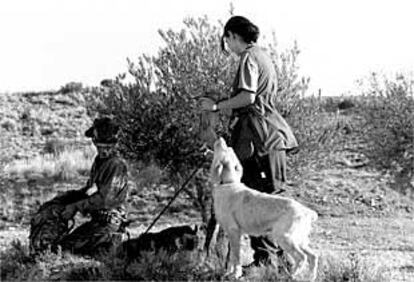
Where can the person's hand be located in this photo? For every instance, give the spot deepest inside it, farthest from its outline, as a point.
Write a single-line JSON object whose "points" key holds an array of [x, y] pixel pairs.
{"points": [[89, 190], [84, 189], [69, 211], [213, 94], [208, 104]]}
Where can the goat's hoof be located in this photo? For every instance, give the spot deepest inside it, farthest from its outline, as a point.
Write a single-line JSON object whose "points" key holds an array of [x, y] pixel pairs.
{"points": [[238, 274], [233, 275], [228, 274]]}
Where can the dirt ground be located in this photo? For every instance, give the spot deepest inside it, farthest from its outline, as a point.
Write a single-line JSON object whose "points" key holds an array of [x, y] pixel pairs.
{"points": [[387, 243], [384, 243], [358, 214]]}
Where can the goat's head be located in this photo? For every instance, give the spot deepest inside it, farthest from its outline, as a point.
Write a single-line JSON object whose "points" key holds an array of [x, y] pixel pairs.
{"points": [[226, 167]]}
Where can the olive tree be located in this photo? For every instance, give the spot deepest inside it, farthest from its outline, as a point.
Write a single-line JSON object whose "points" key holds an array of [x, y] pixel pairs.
{"points": [[159, 110]]}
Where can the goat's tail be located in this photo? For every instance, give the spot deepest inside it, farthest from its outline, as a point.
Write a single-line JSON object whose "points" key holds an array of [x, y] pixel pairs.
{"points": [[313, 215]]}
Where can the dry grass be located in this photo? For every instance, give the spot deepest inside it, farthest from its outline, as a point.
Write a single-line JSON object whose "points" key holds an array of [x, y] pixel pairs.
{"points": [[64, 166], [351, 268], [186, 266]]}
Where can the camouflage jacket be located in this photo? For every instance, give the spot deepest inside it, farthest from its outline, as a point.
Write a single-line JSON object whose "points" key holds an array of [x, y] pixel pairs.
{"points": [[110, 175], [47, 226]]}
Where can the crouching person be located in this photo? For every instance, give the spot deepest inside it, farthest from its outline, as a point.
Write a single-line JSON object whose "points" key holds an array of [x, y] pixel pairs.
{"points": [[106, 206], [47, 226]]}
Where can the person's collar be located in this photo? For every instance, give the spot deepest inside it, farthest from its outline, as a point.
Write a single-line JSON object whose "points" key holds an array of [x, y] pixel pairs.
{"points": [[250, 45]]}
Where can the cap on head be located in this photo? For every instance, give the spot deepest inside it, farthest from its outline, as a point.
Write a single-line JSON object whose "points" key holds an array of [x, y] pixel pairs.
{"points": [[104, 130]]}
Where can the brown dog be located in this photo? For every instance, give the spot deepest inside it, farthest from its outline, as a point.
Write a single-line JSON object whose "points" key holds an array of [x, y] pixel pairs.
{"points": [[241, 210], [172, 239]]}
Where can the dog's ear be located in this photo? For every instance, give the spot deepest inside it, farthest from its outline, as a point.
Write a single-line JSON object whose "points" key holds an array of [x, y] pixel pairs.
{"points": [[178, 243], [195, 229]]}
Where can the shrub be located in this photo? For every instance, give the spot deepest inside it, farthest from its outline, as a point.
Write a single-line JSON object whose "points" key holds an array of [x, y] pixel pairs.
{"points": [[291, 87], [9, 124], [15, 261], [352, 268], [320, 133], [345, 104], [71, 87], [56, 146], [388, 108]]}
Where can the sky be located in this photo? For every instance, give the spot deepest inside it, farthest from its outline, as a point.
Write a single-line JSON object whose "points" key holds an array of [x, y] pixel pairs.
{"points": [[45, 44]]}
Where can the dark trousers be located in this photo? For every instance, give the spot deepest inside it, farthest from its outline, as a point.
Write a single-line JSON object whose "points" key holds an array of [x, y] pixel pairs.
{"points": [[263, 174], [92, 238]]}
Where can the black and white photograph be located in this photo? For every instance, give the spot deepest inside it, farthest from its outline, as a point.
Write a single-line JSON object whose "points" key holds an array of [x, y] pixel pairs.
{"points": [[220, 140]]}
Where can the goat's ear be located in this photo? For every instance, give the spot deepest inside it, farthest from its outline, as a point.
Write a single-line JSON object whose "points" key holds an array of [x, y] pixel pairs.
{"points": [[235, 160], [216, 172], [238, 167]]}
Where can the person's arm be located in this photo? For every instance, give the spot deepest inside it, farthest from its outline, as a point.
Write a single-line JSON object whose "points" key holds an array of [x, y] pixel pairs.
{"points": [[112, 190], [243, 99], [248, 77]]}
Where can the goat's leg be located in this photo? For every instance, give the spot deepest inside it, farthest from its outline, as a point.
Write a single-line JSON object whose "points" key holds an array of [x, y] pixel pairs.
{"points": [[293, 249], [313, 261], [235, 265]]}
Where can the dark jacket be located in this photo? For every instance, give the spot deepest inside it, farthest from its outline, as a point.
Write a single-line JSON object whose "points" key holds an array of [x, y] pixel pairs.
{"points": [[111, 178], [259, 128]]}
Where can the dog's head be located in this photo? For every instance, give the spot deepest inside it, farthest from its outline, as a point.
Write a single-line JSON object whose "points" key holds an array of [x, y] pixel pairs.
{"points": [[226, 167], [189, 239], [184, 237]]}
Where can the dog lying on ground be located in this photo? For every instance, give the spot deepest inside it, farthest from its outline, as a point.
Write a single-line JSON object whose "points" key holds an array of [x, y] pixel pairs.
{"points": [[172, 239], [241, 210]]}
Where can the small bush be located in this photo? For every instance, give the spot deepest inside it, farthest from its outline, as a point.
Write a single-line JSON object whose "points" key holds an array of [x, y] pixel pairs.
{"points": [[71, 87], [388, 108], [353, 268], [346, 104], [266, 273], [15, 261], [56, 146], [291, 87], [9, 124], [319, 132]]}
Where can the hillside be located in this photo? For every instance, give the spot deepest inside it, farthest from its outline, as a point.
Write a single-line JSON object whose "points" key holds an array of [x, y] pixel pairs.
{"points": [[359, 211], [29, 120]]}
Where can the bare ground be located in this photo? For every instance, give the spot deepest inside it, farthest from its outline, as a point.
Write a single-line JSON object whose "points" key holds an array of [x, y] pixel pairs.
{"points": [[358, 214], [384, 243], [358, 211]]}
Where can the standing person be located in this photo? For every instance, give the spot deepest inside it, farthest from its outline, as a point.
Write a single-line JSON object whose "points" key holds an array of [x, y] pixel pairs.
{"points": [[260, 136], [107, 205]]}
